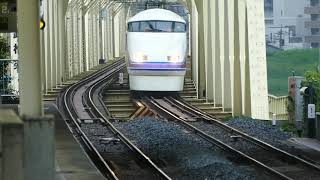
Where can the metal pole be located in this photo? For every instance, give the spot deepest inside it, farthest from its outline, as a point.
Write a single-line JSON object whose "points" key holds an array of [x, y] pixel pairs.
{"points": [[84, 44], [30, 64], [62, 57], [57, 38], [47, 51], [100, 35], [53, 42]]}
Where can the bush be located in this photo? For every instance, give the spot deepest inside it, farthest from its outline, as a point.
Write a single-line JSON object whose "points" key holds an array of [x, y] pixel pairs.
{"points": [[313, 78]]}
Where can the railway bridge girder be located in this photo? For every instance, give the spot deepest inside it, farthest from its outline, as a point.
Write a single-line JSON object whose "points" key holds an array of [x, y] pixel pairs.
{"points": [[227, 50], [227, 47]]}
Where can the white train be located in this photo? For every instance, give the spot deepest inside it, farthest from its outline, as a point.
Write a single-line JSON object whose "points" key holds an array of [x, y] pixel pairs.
{"points": [[156, 49]]}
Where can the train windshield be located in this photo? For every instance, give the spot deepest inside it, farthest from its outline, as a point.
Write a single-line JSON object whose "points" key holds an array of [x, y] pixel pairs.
{"points": [[157, 26]]}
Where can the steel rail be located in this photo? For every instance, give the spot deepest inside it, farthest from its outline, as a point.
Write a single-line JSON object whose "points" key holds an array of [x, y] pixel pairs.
{"points": [[245, 136], [168, 114], [95, 111], [71, 114]]}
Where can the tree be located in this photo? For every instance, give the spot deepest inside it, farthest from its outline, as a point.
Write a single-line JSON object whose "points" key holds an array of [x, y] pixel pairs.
{"points": [[4, 54]]}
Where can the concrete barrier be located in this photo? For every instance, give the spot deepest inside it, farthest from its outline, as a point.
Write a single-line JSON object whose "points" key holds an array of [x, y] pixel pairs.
{"points": [[39, 148], [11, 146]]}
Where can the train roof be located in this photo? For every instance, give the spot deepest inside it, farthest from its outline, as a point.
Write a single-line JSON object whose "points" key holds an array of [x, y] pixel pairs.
{"points": [[157, 14]]}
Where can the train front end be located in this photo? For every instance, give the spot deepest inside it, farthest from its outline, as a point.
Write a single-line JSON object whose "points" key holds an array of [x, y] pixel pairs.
{"points": [[156, 47]]}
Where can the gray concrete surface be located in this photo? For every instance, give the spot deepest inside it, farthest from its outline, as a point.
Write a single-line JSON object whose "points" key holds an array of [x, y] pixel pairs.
{"points": [[71, 161]]}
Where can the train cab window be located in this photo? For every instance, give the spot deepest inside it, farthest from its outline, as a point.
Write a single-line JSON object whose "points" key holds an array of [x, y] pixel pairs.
{"points": [[164, 26], [133, 27], [147, 26], [179, 27], [157, 26]]}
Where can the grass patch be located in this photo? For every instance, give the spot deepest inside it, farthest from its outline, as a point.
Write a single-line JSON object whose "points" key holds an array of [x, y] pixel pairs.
{"points": [[282, 64], [291, 128]]}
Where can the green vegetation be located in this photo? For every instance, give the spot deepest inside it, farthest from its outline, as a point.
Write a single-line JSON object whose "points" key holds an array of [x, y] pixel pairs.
{"points": [[313, 78], [4, 49], [4, 54], [282, 64], [287, 127]]}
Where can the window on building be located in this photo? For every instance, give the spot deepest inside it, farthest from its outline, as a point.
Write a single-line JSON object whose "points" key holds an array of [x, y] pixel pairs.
{"points": [[315, 45], [315, 31], [314, 2], [315, 17], [269, 22], [268, 8]]}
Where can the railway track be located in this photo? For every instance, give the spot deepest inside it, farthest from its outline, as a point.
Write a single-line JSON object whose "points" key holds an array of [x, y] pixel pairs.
{"points": [[114, 155], [275, 161]]}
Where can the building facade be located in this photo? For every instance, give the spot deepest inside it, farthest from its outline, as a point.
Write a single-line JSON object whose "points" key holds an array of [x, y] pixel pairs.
{"points": [[285, 23], [313, 24]]}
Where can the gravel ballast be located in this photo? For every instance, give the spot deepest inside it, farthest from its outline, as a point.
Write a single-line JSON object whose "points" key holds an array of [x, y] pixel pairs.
{"points": [[261, 129], [123, 161], [182, 154], [264, 131]]}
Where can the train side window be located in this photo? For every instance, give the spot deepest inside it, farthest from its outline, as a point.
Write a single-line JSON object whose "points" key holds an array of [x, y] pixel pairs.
{"points": [[180, 27], [133, 27]]}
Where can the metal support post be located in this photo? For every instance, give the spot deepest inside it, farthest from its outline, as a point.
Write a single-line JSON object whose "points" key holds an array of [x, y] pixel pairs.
{"points": [[105, 28], [69, 45], [43, 63], [38, 132], [53, 42], [47, 49], [11, 132], [75, 41], [218, 52], [62, 55], [84, 41], [101, 57], [73, 58], [30, 64], [228, 39], [237, 88], [201, 49], [90, 37], [94, 47], [110, 36], [194, 44], [209, 51], [57, 38], [247, 79], [113, 36], [79, 32], [96, 40]]}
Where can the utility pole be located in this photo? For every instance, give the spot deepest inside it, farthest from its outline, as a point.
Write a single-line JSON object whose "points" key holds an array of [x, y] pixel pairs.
{"points": [[280, 39]]}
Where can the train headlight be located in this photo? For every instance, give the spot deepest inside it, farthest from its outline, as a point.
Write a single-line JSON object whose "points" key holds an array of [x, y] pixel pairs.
{"points": [[175, 59], [139, 57]]}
